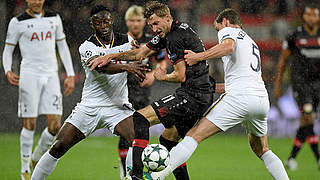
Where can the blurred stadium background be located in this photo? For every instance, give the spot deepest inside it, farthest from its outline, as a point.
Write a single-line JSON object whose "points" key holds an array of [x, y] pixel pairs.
{"points": [[267, 21]]}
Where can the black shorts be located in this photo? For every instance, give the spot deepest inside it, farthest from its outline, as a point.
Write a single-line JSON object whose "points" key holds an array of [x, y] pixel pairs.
{"points": [[182, 109], [306, 92]]}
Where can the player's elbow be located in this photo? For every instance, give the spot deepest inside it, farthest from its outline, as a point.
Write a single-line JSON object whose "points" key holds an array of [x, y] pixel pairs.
{"points": [[182, 78]]}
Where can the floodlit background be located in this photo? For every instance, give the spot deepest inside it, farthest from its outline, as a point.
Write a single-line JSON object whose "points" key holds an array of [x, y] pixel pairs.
{"points": [[267, 21]]}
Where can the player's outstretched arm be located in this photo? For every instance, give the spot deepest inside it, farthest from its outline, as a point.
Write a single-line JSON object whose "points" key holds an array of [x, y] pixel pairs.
{"points": [[135, 68], [224, 48], [280, 69], [132, 55], [178, 75]]}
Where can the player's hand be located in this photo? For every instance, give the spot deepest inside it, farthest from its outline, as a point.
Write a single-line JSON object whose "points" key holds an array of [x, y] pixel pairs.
{"points": [[160, 74], [148, 81], [135, 44], [100, 61], [68, 85], [13, 78], [190, 57], [138, 70]]}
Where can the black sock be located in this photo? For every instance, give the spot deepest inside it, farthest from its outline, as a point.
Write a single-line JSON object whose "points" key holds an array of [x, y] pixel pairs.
{"points": [[181, 172], [123, 148], [141, 140], [312, 139], [298, 142]]}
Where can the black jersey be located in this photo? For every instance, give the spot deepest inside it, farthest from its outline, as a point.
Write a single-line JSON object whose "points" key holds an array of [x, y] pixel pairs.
{"points": [[181, 37], [305, 48], [139, 96]]}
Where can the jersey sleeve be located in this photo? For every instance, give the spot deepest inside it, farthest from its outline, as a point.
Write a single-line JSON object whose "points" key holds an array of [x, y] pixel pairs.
{"points": [[288, 43], [13, 33], [176, 50], [87, 52], [156, 43], [228, 33], [59, 31]]}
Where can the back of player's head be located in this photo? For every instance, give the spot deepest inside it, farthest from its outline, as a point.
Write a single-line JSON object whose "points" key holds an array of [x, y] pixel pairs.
{"points": [[155, 7], [134, 11], [231, 15], [310, 6], [98, 8]]}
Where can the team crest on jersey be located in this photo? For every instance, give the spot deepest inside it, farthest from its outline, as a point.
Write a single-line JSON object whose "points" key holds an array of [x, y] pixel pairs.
{"points": [[155, 40]]}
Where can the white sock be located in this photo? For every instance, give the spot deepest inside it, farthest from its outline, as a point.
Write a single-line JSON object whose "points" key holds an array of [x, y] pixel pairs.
{"points": [[274, 166], [26, 143], [44, 144], [129, 160], [178, 155], [45, 166]]}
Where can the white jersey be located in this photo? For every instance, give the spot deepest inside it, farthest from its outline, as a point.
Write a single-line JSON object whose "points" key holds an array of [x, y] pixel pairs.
{"points": [[243, 67], [37, 36], [102, 89]]}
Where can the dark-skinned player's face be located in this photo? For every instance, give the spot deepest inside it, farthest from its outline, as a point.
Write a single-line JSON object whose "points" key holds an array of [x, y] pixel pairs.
{"points": [[35, 5], [160, 25], [102, 22], [311, 16]]}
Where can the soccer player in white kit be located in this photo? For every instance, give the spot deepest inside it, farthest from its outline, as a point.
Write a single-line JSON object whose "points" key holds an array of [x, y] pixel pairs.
{"points": [[38, 32], [245, 101], [104, 102]]}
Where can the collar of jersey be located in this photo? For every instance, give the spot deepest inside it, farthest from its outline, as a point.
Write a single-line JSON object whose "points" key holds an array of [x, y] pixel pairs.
{"points": [[111, 44], [28, 11]]}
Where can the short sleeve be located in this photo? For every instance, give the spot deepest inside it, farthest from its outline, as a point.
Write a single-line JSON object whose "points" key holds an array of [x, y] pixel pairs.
{"points": [[228, 33], [288, 43], [156, 43], [59, 31], [13, 33], [176, 50], [87, 52]]}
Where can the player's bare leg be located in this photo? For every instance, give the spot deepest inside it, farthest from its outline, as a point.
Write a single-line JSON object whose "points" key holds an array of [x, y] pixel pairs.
{"points": [[169, 139], [304, 133], [259, 146], [26, 143], [183, 151], [67, 137], [47, 138]]}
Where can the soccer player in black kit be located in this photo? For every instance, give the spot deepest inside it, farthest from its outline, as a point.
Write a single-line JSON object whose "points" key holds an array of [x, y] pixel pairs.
{"points": [[304, 46], [178, 112]]}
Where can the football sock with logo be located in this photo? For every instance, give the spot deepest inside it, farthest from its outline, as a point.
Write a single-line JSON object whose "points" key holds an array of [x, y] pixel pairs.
{"points": [[26, 142], [123, 148], [274, 166], [44, 144], [141, 140], [181, 172], [313, 140], [298, 142], [45, 166]]}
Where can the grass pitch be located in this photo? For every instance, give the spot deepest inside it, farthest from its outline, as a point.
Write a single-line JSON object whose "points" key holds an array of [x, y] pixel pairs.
{"points": [[222, 157]]}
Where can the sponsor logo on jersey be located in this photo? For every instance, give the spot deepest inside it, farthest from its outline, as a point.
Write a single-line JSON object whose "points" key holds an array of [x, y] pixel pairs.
{"points": [[41, 36]]}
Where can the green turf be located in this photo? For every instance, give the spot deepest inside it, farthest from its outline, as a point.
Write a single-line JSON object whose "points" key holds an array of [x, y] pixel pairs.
{"points": [[223, 157]]}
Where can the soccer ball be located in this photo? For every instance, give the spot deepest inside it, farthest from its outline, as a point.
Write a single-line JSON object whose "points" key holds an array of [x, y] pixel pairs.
{"points": [[155, 157]]}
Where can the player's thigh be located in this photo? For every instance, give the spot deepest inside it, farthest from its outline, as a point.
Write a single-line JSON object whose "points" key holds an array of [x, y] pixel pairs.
{"points": [[227, 111], [85, 119], [29, 95], [51, 97], [203, 129], [117, 119], [150, 114], [256, 119]]}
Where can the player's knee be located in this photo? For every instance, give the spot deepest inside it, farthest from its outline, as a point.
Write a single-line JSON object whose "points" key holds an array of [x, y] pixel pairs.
{"points": [[58, 149], [54, 128], [29, 124]]}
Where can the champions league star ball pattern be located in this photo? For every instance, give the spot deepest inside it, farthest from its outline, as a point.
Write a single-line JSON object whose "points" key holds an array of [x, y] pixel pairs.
{"points": [[155, 157]]}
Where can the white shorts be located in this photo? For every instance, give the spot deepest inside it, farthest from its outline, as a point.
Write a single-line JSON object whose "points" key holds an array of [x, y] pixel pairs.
{"points": [[39, 94], [250, 110], [88, 119]]}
